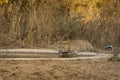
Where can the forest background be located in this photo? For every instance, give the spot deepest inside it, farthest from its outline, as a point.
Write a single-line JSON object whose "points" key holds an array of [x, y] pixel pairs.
{"points": [[40, 23]]}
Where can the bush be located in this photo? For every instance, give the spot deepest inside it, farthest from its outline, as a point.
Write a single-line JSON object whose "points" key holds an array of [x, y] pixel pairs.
{"points": [[115, 57], [66, 54]]}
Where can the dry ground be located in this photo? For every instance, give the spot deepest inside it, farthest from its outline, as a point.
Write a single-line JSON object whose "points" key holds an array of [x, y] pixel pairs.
{"points": [[96, 69]]}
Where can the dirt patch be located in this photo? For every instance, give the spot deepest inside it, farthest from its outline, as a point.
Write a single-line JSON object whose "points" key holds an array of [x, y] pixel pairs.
{"points": [[97, 69]]}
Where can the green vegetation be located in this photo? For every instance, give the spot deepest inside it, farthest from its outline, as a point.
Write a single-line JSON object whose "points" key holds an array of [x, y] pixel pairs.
{"points": [[40, 23], [115, 57], [67, 55]]}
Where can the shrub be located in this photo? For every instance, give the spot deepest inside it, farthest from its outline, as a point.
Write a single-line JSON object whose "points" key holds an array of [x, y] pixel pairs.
{"points": [[114, 58], [66, 54]]}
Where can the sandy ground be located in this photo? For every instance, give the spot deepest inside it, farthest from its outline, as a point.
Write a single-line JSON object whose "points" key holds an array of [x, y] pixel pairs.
{"points": [[95, 69], [35, 54], [100, 56], [28, 51], [49, 56]]}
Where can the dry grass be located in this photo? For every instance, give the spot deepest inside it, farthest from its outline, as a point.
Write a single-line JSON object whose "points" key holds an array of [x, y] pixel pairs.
{"points": [[97, 69], [29, 23]]}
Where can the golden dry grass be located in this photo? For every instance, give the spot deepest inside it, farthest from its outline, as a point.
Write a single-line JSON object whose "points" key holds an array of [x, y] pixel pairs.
{"points": [[37, 23]]}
